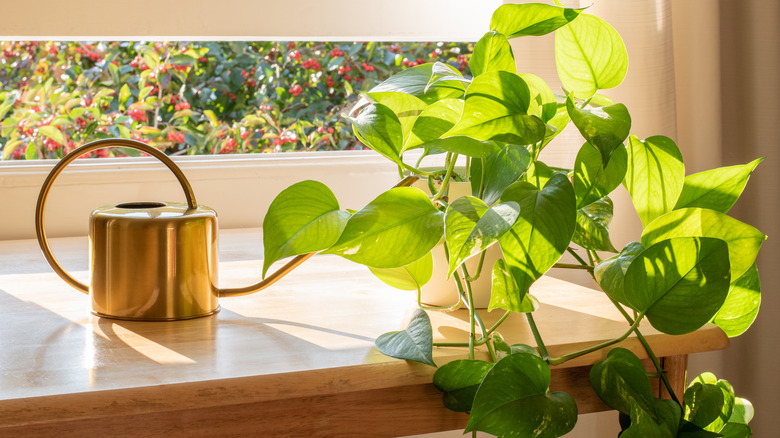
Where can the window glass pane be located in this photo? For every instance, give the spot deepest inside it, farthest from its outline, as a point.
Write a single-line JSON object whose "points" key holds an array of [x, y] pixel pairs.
{"points": [[194, 97]]}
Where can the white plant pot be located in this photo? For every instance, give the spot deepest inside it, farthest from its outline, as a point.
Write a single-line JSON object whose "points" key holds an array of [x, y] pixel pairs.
{"points": [[442, 291]]}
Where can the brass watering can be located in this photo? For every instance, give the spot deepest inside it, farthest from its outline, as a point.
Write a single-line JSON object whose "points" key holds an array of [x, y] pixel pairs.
{"points": [[150, 261]]}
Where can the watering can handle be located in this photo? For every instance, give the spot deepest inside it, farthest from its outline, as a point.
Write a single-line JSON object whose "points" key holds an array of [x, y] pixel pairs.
{"points": [[40, 232]]}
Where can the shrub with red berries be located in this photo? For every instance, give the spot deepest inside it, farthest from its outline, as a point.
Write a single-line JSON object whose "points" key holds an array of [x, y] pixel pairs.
{"points": [[193, 97]]}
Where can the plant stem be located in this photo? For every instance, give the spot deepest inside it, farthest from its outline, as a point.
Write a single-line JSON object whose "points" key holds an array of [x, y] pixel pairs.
{"points": [[422, 173], [576, 354], [472, 321], [649, 351], [468, 288], [420, 304], [446, 182], [498, 323], [479, 268], [537, 336], [470, 305], [493, 357], [576, 256]]}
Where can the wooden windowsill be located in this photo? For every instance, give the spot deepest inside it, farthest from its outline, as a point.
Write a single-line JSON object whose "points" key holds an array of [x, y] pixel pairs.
{"points": [[295, 359]]}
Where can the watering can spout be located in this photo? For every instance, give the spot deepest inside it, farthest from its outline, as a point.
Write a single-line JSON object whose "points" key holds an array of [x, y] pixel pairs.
{"points": [[271, 279]]}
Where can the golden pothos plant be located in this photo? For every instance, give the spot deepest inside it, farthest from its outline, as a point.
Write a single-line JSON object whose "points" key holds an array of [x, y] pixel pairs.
{"points": [[692, 264]]}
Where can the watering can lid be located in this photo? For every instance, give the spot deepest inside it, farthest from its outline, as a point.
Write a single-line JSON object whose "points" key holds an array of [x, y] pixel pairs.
{"points": [[153, 210]]}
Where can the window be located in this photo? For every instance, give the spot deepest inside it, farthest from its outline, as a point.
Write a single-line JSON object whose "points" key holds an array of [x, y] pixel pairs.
{"points": [[240, 188]]}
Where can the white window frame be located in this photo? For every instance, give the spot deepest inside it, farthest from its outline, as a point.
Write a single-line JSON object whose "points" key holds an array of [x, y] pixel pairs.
{"points": [[240, 188]]}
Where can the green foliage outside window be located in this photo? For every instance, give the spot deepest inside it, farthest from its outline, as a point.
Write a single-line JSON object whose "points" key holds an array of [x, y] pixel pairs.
{"points": [[194, 97]]}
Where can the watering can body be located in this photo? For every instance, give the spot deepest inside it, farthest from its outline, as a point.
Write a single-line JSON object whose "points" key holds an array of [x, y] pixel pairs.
{"points": [[153, 261]]}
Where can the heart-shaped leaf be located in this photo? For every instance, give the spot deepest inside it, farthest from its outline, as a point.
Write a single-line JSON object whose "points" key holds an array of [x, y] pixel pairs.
{"points": [[496, 108], [397, 228], [415, 81], [434, 121], [459, 380], [690, 430], [538, 174], [620, 379], [655, 176], [590, 56], [503, 349], [492, 53], [378, 128], [415, 343], [741, 306], [611, 272], [514, 400], [470, 227], [743, 411], [716, 189], [542, 231], [504, 293], [442, 73], [643, 425], [592, 228], [743, 240], [605, 128], [410, 277], [406, 108], [736, 430], [532, 19], [303, 218], [680, 283], [559, 122], [708, 402], [502, 168], [543, 103], [592, 180]]}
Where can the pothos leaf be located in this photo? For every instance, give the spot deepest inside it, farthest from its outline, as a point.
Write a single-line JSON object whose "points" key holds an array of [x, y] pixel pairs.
{"points": [[496, 108], [716, 189], [592, 228], [655, 176], [397, 228], [415, 343], [492, 53], [741, 306], [590, 56], [470, 227], [410, 277], [536, 19], [459, 380], [378, 128], [680, 283], [744, 241], [514, 399], [592, 180], [620, 379], [542, 231], [605, 128], [434, 121], [405, 107], [303, 218], [505, 294], [502, 168], [611, 272]]}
